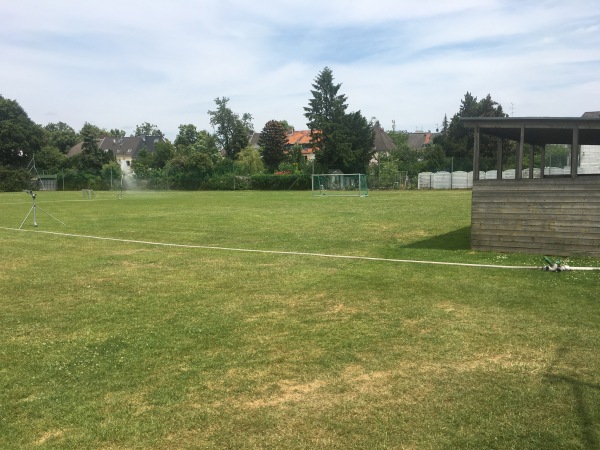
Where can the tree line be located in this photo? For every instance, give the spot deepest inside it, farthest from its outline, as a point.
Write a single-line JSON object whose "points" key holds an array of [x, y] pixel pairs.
{"points": [[341, 140], [452, 147]]}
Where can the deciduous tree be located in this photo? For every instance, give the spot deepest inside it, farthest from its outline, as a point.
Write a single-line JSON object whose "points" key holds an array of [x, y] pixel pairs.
{"points": [[20, 137], [207, 145], [61, 136], [116, 133], [186, 171], [231, 131], [50, 160], [91, 129], [188, 135], [457, 140], [148, 129], [163, 152], [249, 162], [92, 157]]}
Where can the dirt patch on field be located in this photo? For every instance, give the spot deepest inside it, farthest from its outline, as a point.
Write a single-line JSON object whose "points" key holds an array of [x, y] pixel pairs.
{"points": [[48, 435], [288, 392]]}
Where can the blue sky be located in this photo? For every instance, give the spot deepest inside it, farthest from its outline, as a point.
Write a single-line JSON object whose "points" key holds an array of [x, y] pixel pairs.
{"points": [[117, 64]]}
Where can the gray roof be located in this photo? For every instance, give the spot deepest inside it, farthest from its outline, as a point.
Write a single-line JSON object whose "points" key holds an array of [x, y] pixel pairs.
{"points": [[123, 147], [383, 143], [77, 148], [253, 139], [130, 146], [420, 139], [591, 115]]}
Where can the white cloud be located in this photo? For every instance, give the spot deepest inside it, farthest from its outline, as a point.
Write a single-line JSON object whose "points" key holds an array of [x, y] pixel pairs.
{"points": [[118, 64]]}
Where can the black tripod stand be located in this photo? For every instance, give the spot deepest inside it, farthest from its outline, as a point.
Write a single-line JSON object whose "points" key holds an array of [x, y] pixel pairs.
{"points": [[33, 208]]}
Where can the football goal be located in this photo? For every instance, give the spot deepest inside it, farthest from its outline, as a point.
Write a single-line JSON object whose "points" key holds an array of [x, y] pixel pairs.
{"points": [[341, 184]]}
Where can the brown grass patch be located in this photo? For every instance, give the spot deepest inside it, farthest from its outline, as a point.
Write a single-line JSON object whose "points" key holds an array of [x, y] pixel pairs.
{"points": [[48, 435], [367, 383], [289, 392], [135, 402], [341, 309]]}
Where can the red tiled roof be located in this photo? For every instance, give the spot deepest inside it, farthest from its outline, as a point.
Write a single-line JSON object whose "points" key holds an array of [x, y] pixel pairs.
{"points": [[299, 137]]}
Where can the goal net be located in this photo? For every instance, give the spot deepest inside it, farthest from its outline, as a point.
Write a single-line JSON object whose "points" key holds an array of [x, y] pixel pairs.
{"points": [[354, 184]]}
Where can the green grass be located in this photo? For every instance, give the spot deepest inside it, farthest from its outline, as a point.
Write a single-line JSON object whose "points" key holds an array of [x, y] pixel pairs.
{"points": [[108, 344]]}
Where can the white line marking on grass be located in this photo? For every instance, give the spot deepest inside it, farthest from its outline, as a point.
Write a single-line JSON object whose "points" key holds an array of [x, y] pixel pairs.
{"points": [[275, 252]]}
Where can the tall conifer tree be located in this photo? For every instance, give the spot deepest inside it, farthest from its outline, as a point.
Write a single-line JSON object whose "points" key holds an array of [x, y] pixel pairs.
{"points": [[325, 115], [272, 142]]}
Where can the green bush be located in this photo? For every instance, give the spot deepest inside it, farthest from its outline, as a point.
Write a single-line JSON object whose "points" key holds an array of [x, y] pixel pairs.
{"points": [[13, 180], [157, 179], [218, 183], [270, 182], [74, 180]]}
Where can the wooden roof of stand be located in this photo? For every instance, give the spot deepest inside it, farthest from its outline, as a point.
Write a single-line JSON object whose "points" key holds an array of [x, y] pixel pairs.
{"points": [[540, 130]]}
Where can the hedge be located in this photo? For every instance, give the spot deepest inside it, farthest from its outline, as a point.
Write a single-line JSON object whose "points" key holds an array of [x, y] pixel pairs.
{"points": [[281, 182]]}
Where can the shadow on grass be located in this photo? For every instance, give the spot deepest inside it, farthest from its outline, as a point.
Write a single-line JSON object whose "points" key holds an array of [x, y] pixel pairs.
{"points": [[455, 240], [582, 408]]}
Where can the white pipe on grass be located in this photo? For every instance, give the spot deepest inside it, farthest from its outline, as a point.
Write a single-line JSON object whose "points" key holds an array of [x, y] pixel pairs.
{"points": [[278, 252]]}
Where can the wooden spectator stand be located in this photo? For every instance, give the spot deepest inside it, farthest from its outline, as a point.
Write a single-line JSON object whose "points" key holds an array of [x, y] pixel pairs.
{"points": [[537, 211]]}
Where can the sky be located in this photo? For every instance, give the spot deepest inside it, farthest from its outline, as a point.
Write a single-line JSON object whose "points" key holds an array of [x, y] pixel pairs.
{"points": [[118, 64]]}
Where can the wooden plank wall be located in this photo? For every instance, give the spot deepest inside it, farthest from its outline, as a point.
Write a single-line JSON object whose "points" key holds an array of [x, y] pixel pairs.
{"points": [[550, 216]]}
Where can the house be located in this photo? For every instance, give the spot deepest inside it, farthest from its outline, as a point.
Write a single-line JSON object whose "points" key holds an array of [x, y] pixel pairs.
{"points": [[420, 139], [383, 143], [303, 139], [125, 149], [253, 140]]}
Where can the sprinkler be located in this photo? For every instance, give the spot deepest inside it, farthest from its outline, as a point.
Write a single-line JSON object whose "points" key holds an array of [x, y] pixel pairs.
{"points": [[554, 266]]}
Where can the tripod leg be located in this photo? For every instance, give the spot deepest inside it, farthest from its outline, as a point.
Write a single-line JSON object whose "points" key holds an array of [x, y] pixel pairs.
{"points": [[46, 212], [26, 218]]}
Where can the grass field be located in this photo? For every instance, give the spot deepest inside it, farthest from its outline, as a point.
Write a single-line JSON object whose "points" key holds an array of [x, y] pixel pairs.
{"points": [[117, 344]]}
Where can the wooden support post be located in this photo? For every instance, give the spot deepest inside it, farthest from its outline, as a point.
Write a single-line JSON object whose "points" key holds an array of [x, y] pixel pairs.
{"points": [[543, 161], [519, 168], [499, 160], [476, 154], [531, 160], [575, 153]]}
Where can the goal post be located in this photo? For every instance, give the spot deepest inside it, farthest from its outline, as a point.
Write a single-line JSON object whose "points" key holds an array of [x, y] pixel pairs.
{"points": [[340, 184]]}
